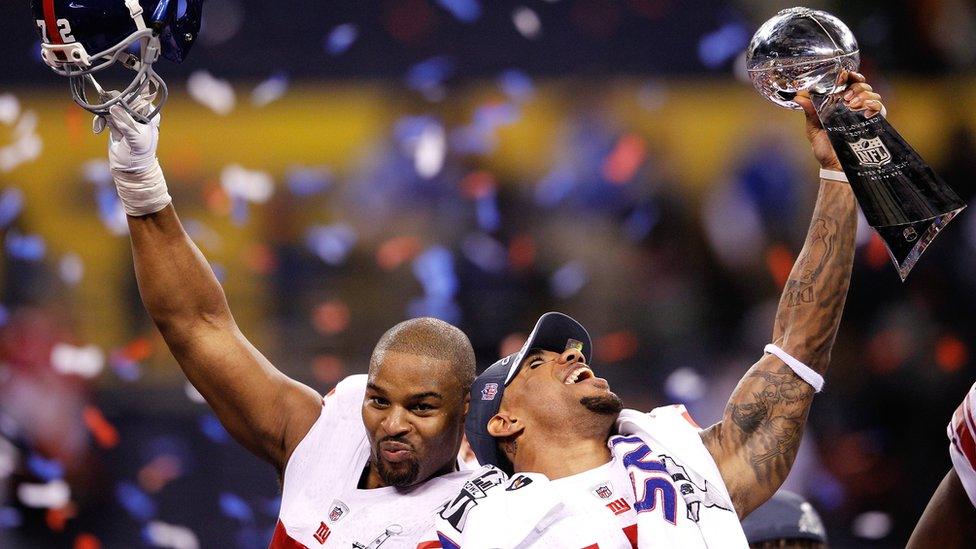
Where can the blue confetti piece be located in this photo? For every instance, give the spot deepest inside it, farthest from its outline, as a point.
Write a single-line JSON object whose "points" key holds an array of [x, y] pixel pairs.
{"points": [[213, 430], [235, 507], [516, 84], [428, 75], [496, 114], [435, 270], [4, 315], [11, 204], [466, 11], [640, 223], [331, 243], [10, 518], [489, 217], [240, 211], [45, 469], [341, 39], [569, 280], [716, 48], [29, 247], [308, 181], [555, 187], [139, 505], [485, 252], [126, 369]]}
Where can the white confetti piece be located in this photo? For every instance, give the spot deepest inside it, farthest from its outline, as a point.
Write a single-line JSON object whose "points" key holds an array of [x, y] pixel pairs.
{"points": [[52, 495], [213, 93], [86, 362]]}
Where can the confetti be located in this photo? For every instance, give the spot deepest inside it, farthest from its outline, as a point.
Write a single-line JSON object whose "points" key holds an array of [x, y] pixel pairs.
{"points": [[485, 252], [527, 22], [86, 362], [105, 434], [331, 243], [161, 534], [466, 11], [159, 472], [29, 247], [397, 251], [139, 505], [331, 317], [50, 495], [71, 269], [10, 518], [212, 428], [568, 280], [269, 91], [341, 39], [718, 47], [214, 93], [307, 181], [11, 204], [685, 385], [235, 507], [45, 469], [249, 185]]}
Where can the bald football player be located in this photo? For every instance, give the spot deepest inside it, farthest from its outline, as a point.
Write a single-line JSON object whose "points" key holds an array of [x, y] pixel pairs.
{"points": [[590, 474], [368, 462]]}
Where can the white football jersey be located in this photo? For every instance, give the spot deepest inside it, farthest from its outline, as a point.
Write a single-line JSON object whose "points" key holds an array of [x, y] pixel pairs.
{"points": [[661, 488], [962, 445], [321, 505]]}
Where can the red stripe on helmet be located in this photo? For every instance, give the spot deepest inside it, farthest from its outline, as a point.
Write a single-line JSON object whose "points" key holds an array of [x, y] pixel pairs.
{"points": [[51, 21]]}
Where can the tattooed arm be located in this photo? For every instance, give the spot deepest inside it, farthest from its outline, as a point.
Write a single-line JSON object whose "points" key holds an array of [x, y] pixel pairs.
{"points": [[756, 442]]}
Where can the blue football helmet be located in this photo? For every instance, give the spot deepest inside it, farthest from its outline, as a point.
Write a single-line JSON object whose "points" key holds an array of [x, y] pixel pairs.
{"points": [[79, 38]]}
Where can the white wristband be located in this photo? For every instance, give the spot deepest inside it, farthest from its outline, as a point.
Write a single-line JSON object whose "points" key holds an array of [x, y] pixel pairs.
{"points": [[143, 192], [833, 175], [805, 372]]}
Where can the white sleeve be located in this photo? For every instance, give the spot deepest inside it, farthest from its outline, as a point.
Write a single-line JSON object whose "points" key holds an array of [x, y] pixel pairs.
{"points": [[962, 443]]}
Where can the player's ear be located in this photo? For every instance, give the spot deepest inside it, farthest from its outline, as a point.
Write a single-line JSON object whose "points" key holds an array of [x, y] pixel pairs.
{"points": [[504, 425]]}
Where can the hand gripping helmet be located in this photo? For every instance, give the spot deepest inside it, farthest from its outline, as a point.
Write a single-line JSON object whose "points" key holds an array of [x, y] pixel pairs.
{"points": [[79, 38]]}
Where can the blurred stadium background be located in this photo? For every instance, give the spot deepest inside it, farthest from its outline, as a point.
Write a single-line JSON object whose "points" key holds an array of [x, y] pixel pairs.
{"points": [[349, 164]]}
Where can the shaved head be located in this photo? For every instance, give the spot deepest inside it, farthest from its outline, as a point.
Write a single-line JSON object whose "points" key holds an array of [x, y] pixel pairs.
{"points": [[432, 338]]}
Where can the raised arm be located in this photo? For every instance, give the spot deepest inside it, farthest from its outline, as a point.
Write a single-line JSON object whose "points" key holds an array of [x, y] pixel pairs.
{"points": [[756, 441], [263, 409]]}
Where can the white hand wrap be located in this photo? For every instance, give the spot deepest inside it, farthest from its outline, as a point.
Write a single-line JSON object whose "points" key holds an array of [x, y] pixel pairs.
{"points": [[805, 372], [132, 157]]}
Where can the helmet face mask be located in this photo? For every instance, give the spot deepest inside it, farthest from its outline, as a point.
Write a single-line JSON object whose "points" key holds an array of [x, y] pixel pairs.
{"points": [[81, 39]]}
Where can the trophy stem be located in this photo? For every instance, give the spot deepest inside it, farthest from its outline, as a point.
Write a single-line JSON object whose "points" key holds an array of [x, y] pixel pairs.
{"points": [[902, 198]]}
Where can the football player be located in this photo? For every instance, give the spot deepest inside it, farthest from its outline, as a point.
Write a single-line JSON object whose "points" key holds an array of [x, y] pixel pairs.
{"points": [[588, 473], [949, 520], [365, 465]]}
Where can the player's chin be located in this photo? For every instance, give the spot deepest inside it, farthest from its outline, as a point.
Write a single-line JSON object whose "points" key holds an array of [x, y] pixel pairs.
{"points": [[605, 403], [400, 474]]}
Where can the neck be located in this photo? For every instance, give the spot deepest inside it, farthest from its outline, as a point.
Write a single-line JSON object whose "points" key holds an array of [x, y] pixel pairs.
{"points": [[574, 456]]}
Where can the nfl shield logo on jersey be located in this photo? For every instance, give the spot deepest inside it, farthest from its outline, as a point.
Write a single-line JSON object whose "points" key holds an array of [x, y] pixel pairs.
{"points": [[871, 152], [489, 391], [338, 511], [603, 491]]}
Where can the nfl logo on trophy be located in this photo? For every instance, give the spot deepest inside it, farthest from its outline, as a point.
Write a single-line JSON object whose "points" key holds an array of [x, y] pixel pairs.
{"points": [[871, 152]]}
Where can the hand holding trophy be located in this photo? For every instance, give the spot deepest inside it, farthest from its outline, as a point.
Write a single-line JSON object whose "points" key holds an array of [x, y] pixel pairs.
{"points": [[807, 51], [82, 39]]}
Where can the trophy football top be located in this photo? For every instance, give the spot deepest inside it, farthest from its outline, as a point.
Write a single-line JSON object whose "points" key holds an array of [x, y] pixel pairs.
{"points": [[800, 49]]}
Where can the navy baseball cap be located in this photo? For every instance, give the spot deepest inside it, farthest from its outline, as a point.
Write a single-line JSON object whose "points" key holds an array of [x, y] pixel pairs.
{"points": [[554, 332], [785, 516]]}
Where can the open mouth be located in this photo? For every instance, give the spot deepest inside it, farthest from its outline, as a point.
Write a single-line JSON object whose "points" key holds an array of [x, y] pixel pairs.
{"points": [[579, 374]]}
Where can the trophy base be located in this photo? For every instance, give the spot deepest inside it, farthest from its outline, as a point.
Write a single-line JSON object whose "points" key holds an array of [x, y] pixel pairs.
{"points": [[907, 242]]}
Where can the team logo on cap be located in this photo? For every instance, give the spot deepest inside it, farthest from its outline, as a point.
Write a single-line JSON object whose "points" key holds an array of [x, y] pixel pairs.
{"points": [[573, 344], [489, 391]]}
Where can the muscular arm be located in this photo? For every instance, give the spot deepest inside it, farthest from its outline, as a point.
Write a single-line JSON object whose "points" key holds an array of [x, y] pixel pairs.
{"points": [[949, 520], [263, 409], [757, 440]]}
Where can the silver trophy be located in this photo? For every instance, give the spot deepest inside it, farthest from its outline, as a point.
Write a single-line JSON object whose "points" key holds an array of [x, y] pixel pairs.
{"points": [[903, 199]]}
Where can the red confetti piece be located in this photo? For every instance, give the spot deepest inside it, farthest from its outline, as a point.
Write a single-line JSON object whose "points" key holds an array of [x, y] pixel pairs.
{"points": [[328, 369], [616, 347], [397, 251], [521, 252], [87, 541], [105, 434], [331, 317], [138, 349], [876, 253], [625, 159], [779, 261], [56, 519], [159, 472], [477, 185], [951, 354], [260, 259]]}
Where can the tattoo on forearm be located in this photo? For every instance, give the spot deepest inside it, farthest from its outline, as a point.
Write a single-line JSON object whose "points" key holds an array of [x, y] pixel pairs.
{"points": [[771, 419], [800, 288]]}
